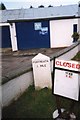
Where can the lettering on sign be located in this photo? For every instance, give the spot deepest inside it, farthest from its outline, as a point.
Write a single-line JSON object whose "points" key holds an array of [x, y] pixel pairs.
{"points": [[67, 64], [37, 26], [42, 30], [42, 65], [69, 74], [40, 61]]}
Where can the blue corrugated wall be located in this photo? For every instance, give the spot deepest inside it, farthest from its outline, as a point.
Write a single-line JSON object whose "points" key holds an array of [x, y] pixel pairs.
{"points": [[34, 34], [5, 37]]}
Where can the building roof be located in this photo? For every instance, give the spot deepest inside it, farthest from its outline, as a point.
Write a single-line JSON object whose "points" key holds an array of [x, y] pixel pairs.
{"points": [[39, 13]]}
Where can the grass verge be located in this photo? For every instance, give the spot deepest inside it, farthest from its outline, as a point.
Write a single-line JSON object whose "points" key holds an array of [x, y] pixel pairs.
{"points": [[77, 57], [37, 104]]}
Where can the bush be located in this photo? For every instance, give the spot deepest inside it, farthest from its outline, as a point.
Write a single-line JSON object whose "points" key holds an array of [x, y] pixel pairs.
{"points": [[75, 35]]}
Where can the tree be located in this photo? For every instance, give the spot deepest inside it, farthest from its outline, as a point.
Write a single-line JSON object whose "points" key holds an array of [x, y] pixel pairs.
{"points": [[31, 6], [41, 6], [50, 6], [2, 6]]}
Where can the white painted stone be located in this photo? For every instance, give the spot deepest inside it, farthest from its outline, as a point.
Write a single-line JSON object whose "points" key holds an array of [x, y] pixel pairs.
{"points": [[41, 71]]}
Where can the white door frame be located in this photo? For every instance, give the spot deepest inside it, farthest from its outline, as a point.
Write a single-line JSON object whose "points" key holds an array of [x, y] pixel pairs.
{"points": [[12, 35]]}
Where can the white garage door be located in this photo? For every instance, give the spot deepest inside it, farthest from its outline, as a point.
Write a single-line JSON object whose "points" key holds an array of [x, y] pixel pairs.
{"points": [[61, 32]]}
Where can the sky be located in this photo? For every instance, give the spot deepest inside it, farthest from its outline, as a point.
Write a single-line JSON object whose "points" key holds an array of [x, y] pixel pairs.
{"points": [[17, 4]]}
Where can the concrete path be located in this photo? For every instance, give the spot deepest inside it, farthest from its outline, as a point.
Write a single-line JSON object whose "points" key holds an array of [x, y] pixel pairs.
{"points": [[17, 63]]}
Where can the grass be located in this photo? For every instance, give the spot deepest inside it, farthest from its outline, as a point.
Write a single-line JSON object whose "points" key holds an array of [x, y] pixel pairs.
{"points": [[32, 104], [37, 104], [77, 57]]}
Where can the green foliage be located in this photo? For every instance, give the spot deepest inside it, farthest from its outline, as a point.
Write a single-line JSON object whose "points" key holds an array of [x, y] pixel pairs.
{"points": [[77, 57], [31, 6], [75, 35], [2, 6], [41, 6], [50, 6]]}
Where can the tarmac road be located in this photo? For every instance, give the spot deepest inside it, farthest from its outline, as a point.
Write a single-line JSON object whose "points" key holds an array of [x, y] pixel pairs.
{"points": [[16, 63]]}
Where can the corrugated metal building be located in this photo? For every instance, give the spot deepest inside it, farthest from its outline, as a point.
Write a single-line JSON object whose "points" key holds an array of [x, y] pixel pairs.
{"points": [[47, 27]]}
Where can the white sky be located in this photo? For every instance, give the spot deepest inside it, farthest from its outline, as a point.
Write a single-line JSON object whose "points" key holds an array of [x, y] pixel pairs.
{"points": [[15, 4]]}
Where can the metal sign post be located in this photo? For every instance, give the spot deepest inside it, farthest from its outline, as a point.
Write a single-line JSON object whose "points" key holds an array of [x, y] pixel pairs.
{"points": [[57, 112], [65, 82]]}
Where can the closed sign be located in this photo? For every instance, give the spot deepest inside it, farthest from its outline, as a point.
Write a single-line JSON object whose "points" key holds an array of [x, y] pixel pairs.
{"points": [[66, 78]]}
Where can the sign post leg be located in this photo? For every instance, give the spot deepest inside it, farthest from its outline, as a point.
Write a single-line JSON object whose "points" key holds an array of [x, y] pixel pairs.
{"points": [[59, 112], [72, 115], [72, 106], [58, 105]]}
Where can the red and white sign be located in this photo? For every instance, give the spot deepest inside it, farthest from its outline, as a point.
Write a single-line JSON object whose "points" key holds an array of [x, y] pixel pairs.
{"points": [[70, 65], [66, 83]]}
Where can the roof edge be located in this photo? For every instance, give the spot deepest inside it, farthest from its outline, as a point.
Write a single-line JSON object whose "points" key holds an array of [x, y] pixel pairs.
{"points": [[38, 19]]}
